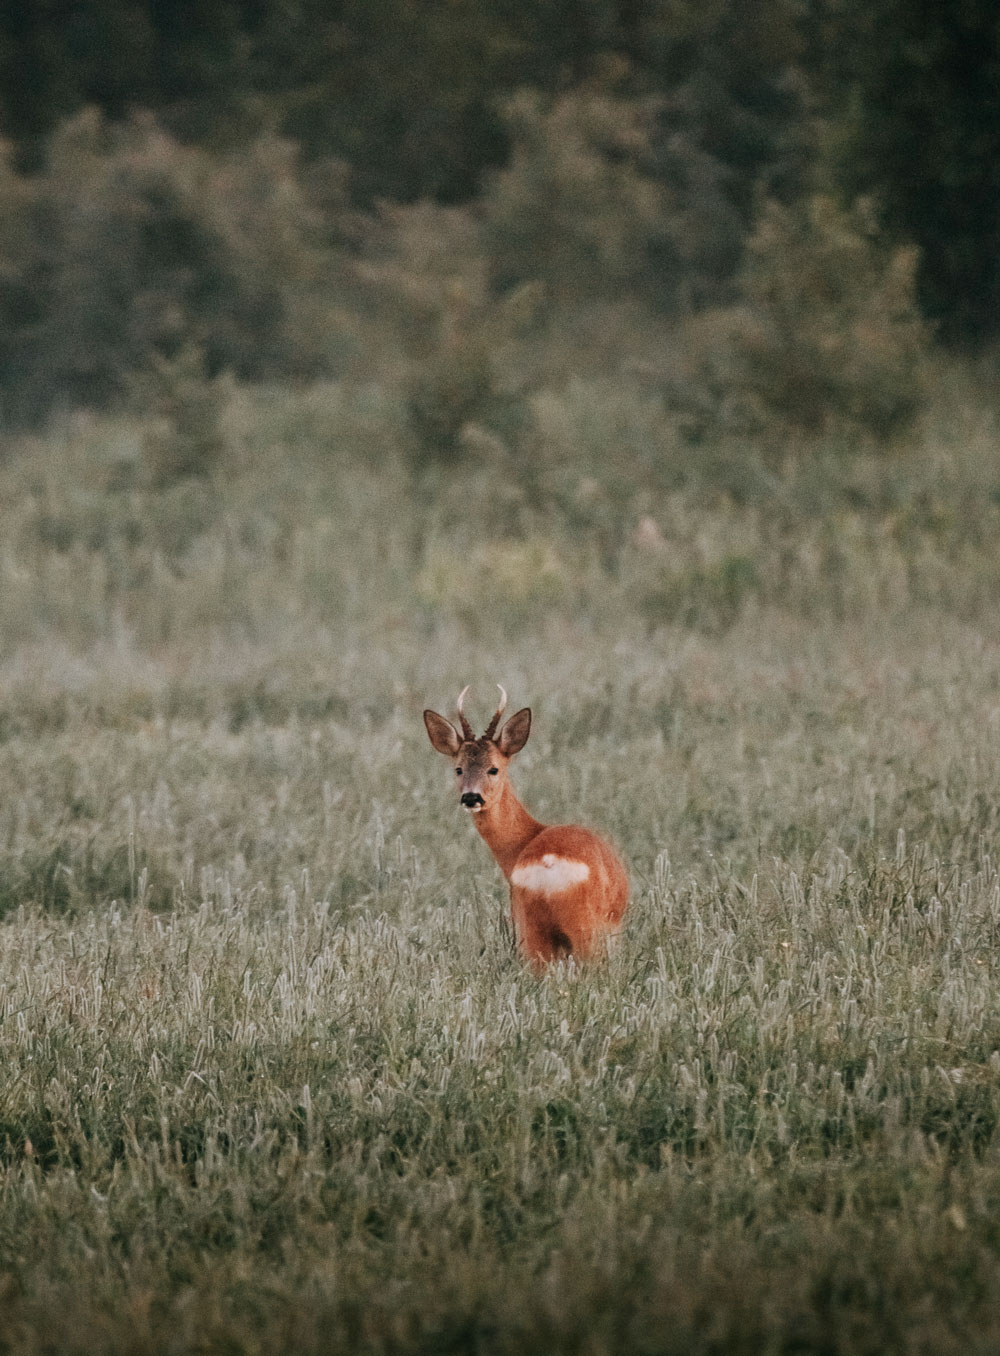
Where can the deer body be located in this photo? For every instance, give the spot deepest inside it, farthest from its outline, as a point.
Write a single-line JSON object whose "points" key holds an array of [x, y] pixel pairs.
{"points": [[568, 889]]}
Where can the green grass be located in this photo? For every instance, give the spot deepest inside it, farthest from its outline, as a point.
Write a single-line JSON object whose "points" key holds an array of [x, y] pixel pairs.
{"points": [[272, 1077]]}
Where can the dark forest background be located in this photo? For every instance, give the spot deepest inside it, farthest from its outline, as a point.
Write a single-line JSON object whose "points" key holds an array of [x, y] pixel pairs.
{"points": [[242, 181]]}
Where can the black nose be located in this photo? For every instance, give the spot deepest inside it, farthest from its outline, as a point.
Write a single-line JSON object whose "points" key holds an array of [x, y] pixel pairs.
{"points": [[471, 798]]}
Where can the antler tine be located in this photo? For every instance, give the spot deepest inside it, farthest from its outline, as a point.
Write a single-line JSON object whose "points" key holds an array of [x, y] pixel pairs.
{"points": [[491, 729], [466, 727]]}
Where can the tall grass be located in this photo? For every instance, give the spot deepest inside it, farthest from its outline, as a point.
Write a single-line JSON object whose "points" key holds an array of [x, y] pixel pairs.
{"points": [[273, 1078]]}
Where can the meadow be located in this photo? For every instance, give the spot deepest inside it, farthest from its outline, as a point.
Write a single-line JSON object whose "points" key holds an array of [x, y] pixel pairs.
{"points": [[273, 1079]]}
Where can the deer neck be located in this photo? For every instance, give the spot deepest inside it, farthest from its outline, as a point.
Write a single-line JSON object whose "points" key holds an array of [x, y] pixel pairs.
{"points": [[507, 829]]}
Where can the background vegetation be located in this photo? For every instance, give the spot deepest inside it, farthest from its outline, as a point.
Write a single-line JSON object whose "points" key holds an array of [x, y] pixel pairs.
{"points": [[640, 358]]}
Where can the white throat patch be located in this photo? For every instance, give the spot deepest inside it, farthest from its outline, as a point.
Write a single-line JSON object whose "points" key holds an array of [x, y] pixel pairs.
{"points": [[551, 874]]}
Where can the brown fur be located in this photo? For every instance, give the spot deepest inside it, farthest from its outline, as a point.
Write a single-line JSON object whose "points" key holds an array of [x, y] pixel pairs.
{"points": [[582, 911]]}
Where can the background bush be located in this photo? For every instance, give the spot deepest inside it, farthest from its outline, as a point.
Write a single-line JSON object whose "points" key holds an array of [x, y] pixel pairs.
{"points": [[127, 247], [828, 333], [631, 159]]}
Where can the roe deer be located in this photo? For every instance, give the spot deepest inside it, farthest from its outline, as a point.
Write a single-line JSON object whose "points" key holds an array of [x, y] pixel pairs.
{"points": [[568, 889]]}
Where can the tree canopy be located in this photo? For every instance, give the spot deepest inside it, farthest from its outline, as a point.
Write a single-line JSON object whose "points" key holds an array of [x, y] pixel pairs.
{"points": [[898, 100]]}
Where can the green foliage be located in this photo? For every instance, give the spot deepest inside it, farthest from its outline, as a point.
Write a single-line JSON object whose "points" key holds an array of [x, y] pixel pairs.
{"points": [[828, 333], [129, 246], [886, 100], [606, 191], [459, 402], [412, 102], [182, 434], [574, 209], [451, 391], [663, 183], [425, 276], [710, 598], [119, 55], [918, 90], [405, 100]]}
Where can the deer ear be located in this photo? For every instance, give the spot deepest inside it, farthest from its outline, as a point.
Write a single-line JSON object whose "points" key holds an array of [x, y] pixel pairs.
{"points": [[514, 734], [442, 734]]}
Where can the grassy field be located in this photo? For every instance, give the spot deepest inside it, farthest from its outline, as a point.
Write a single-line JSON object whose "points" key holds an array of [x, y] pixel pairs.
{"points": [[273, 1079]]}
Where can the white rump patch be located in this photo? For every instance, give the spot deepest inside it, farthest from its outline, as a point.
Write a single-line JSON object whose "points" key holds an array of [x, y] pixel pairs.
{"points": [[551, 874]]}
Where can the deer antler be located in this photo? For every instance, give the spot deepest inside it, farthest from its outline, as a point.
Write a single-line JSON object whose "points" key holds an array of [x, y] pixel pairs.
{"points": [[491, 729], [466, 727]]}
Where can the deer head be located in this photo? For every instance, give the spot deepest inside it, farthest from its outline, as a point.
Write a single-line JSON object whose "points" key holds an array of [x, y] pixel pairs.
{"points": [[480, 764]]}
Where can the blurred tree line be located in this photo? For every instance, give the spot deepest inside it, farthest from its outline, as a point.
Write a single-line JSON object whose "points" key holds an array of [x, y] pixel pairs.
{"points": [[183, 174], [408, 92]]}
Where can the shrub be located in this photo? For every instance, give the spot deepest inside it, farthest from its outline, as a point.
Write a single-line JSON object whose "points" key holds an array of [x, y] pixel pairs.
{"points": [[128, 245], [426, 275], [183, 437], [827, 332], [460, 397], [575, 208]]}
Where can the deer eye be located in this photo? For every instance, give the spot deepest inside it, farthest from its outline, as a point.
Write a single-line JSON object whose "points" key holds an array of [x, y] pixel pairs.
{"points": [[494, 771], [458, 772]]}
